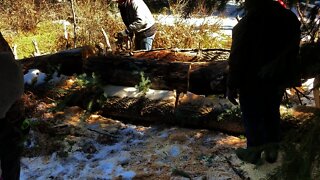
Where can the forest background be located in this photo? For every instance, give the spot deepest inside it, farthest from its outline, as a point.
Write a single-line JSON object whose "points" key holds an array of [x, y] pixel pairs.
{"points": [[43, 21]]}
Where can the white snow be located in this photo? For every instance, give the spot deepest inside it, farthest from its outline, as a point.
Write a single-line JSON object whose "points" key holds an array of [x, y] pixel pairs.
{"points": [[34, 77], [226, 19], [105, 163], [123, 91]]}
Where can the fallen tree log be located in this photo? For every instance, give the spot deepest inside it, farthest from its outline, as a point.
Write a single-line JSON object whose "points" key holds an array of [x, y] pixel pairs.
{"points": [[198, 71], [188, 114], [193, 111], [143, 110], [66, 62], [126, 71], [165, 72], [166, 69], [208, 78]]}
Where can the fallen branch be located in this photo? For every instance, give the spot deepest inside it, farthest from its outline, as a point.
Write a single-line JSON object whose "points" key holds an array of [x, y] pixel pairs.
{"points": [[103, 133]]}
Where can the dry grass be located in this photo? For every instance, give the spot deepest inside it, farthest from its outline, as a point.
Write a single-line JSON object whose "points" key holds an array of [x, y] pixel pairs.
{"points": [[184, 36], [27, 20]]}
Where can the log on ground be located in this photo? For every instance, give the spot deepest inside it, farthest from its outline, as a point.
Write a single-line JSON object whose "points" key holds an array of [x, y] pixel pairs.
{"points": [[197, 71], [186, 114], [166, 69], [67, 62], [146, 111], [126, 71], [203, 78]]}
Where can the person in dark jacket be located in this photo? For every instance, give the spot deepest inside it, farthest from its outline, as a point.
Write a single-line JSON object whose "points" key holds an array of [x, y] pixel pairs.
{"points": [[12, 135], [262, 63], [11, 113], [139, 21]]}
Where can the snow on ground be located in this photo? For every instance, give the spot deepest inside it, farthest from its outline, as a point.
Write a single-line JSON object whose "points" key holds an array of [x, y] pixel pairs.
{"points": [[106, 163], [35, 77], [132, 92], [226, 19], [139, 152]]}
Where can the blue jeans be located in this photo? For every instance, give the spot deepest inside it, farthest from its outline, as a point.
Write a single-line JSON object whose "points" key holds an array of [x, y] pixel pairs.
{"points": [[144, 43], [260, 114]]}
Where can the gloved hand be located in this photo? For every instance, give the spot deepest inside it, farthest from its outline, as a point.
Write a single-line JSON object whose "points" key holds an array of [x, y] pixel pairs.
{"points": [[125, 32], [232, 95]]}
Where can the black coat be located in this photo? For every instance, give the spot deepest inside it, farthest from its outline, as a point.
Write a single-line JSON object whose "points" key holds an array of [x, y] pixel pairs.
{"points": [[265, 47]]}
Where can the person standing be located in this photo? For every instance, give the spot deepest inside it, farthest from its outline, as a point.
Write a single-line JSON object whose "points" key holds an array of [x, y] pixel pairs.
{"points": [[139, 22], [262, 63], [11, 113]]}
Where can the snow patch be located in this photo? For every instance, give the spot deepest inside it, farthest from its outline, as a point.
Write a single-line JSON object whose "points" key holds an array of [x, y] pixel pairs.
{"points": [[132, 92], [34, 77]]}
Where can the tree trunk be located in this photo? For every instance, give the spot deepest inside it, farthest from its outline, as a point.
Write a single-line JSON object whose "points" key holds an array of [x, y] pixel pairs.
{"points": [[67, 62], [198, 77], [163, 112], [166, 69], [192, 111], [126, 71], [208, 78], [201, 72]]}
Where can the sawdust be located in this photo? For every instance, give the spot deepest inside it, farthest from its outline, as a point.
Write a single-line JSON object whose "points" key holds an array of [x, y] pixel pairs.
{"points": [[152, 152]]}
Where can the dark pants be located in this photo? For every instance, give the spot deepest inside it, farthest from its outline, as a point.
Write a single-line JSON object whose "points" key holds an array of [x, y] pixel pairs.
{"points": [[260, 113], [10, 161], [11, 141]]}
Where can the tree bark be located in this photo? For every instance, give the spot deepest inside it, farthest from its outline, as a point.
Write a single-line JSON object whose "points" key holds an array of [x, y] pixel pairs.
{"points": [[208, 78], [125, 71], [163, 112], [165, 69], [67, 62], [192, 111], [201, 72], [203, 78]]}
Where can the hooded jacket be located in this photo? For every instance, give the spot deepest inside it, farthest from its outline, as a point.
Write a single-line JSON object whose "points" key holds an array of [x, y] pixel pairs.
{"points": [[137, 17]]}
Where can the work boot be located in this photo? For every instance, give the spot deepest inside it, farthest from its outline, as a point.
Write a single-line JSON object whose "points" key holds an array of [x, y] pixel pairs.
{"points": [[250, 155], [271, 152]]}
